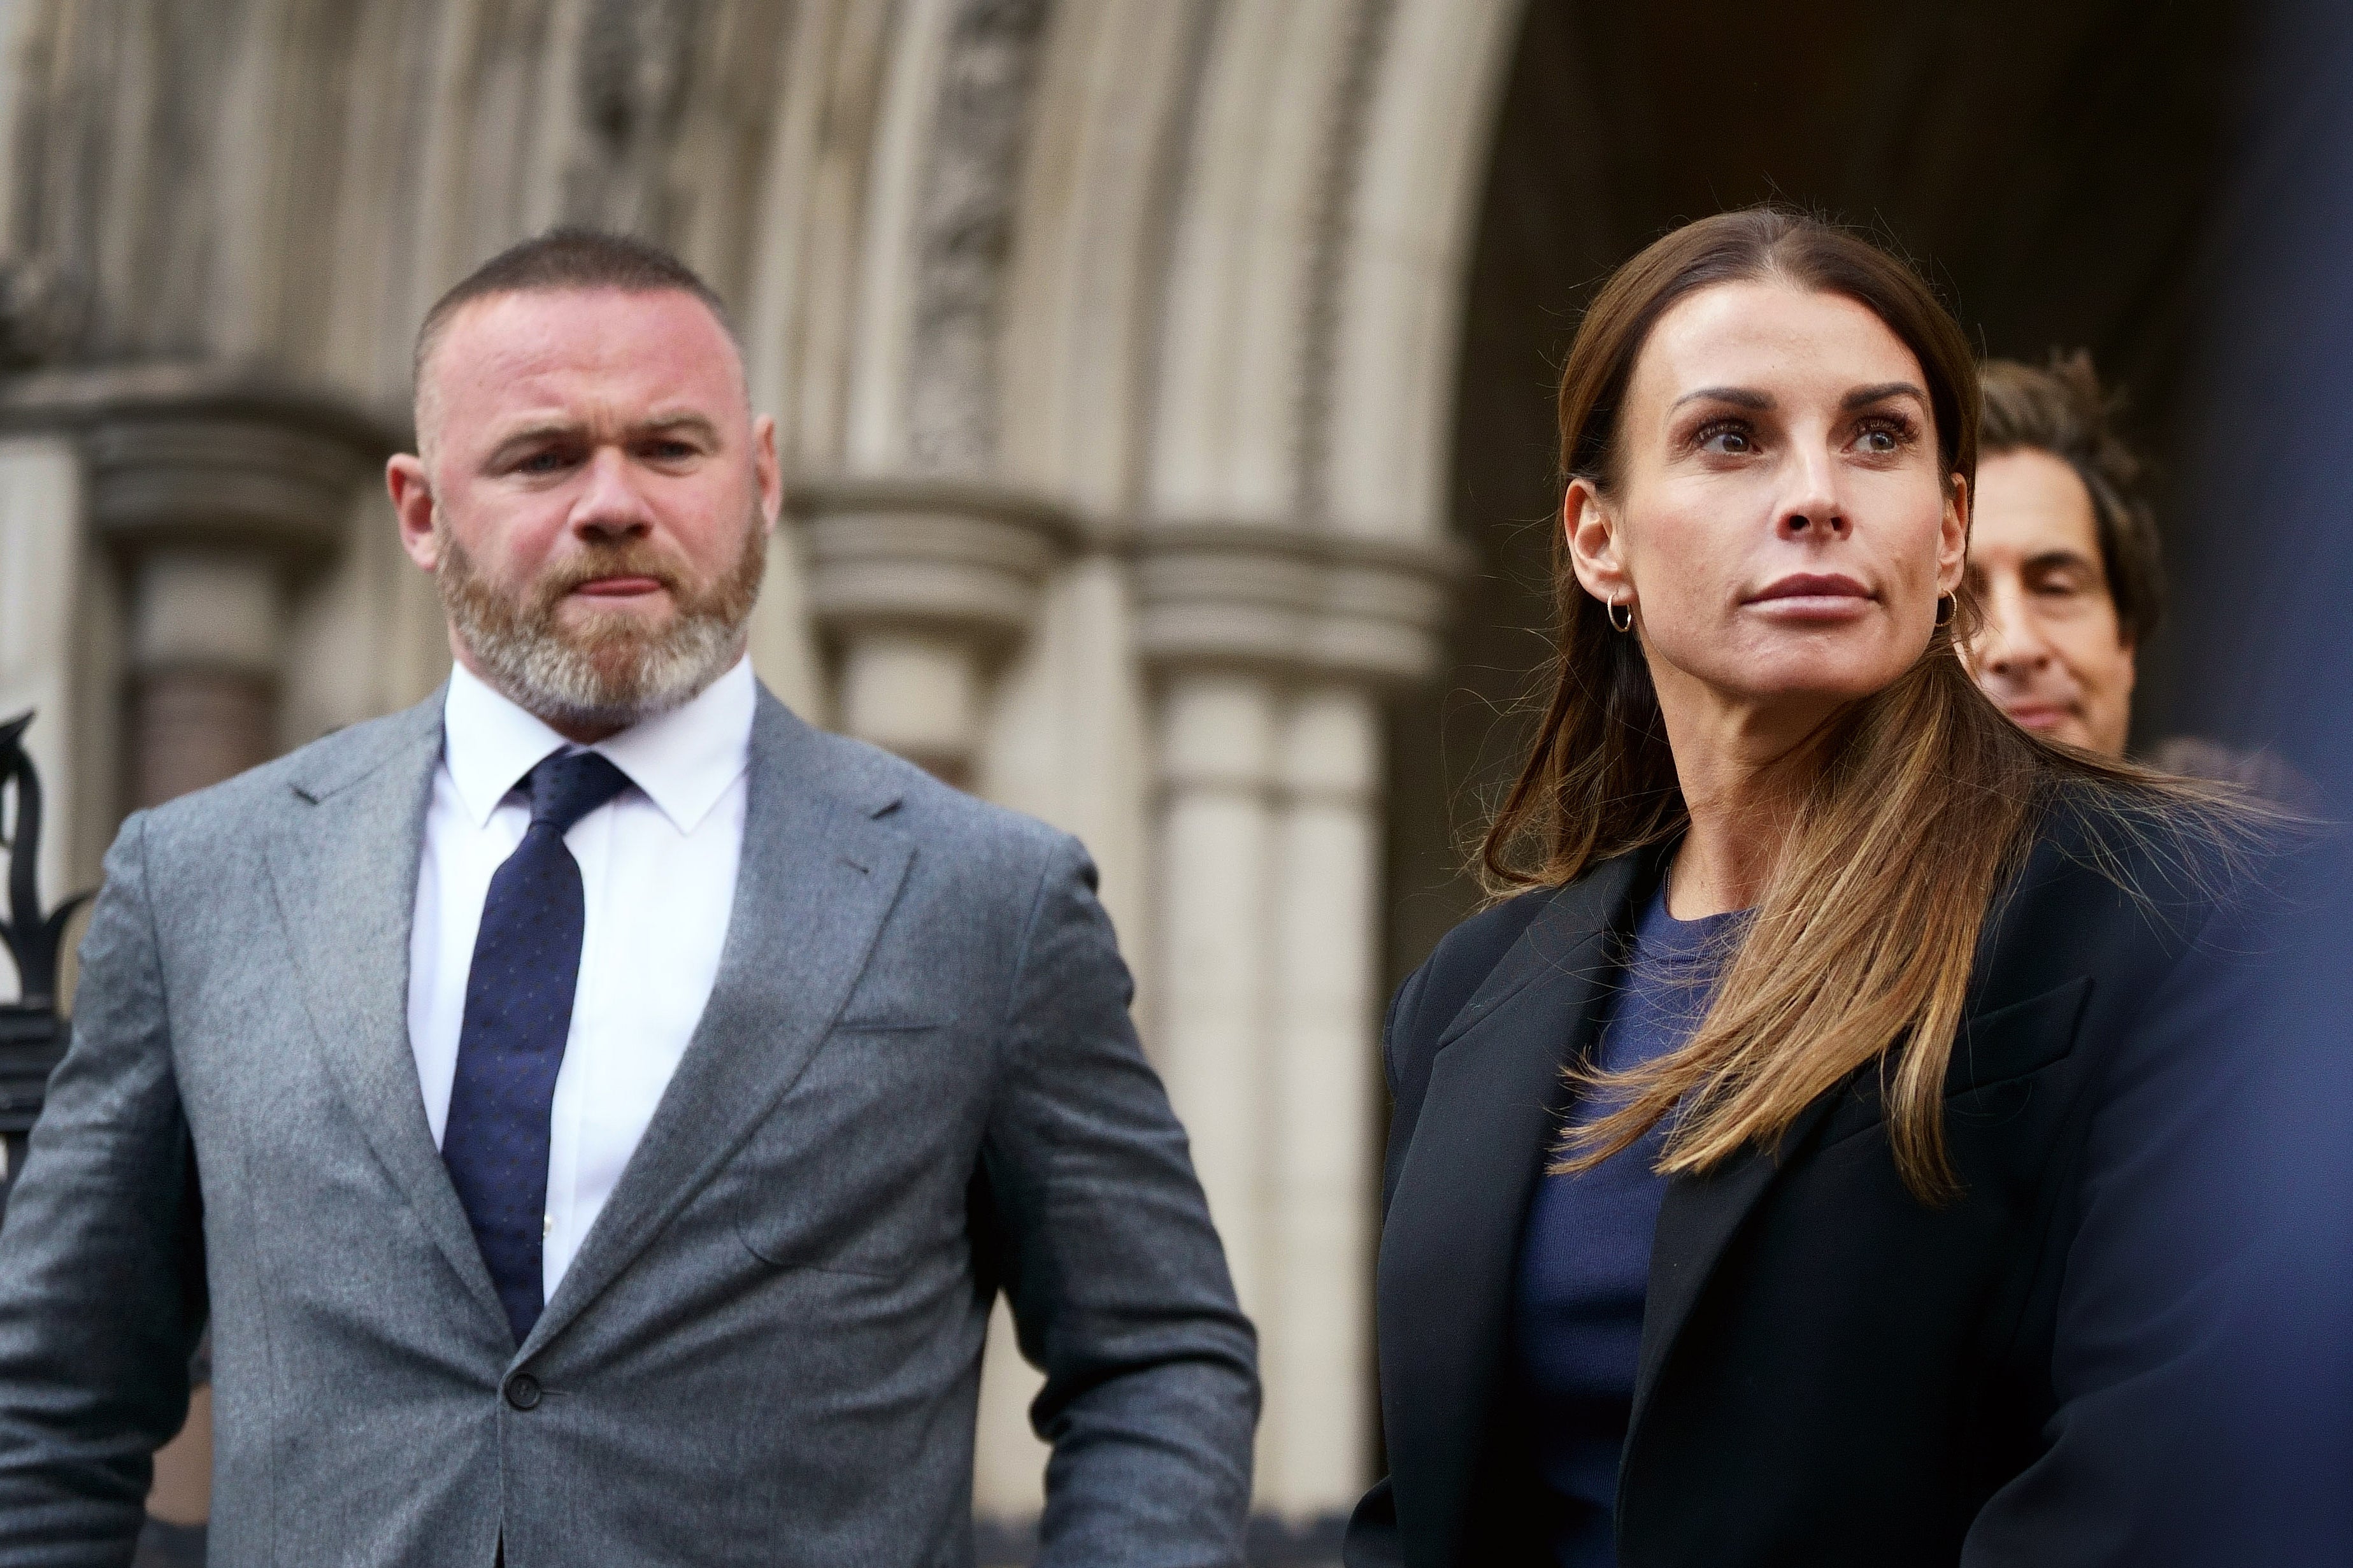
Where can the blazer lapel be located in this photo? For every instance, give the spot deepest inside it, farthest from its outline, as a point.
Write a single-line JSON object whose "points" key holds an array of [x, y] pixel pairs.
{"points": [[343, 864], [1451, 1240], [817, 877], [1697, 1221]]}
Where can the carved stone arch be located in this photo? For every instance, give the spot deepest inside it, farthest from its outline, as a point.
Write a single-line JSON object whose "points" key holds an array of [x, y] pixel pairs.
{"points": [[1116, 96]]}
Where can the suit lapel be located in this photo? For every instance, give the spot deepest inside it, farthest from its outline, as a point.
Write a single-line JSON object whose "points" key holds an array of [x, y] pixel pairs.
{"points": [[817, 877], [1452, 1241], [343, 865]]}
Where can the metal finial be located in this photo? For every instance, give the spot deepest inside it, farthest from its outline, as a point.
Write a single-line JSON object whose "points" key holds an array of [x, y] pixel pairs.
{"points": [[33, 940]]}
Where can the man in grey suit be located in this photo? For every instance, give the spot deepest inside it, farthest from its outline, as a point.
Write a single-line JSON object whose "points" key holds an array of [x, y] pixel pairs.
{"points": [[594, 1110]]}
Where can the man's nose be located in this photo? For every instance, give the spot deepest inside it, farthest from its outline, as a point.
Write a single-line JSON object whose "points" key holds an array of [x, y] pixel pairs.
{"points": [[611, 505], [2013, 642]]}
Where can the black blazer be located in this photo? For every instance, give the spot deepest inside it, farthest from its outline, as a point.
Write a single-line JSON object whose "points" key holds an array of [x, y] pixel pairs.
{"points": [[1830, 1372]]}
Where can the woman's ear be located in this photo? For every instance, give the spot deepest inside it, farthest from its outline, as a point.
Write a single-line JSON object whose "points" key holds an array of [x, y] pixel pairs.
{"points": [[1953, 537], [1591, 528]]}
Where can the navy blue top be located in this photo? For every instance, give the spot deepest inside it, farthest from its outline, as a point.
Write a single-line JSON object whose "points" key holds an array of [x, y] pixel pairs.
{"points": [[1585, 1255]]}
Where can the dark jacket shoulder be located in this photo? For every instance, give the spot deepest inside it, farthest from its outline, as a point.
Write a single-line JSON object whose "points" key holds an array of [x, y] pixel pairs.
{"points": [[1432, 995], [1430, 1006], [2124, 881]]}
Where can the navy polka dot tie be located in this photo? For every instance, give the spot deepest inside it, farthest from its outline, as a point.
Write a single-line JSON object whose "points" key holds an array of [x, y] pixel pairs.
{"points": [[518, 1014]]}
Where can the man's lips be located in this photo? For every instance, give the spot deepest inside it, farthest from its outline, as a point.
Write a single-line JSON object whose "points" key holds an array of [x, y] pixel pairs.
{"points": [[1812, 595], [618, 587], [2039, 715]]}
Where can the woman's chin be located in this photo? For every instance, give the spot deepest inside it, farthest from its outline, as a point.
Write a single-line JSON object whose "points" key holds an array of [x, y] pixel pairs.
{"points": [[1816, 672]]}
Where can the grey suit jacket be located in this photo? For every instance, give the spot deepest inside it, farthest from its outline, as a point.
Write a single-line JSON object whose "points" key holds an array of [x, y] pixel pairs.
{"points": [[915, 1084]]}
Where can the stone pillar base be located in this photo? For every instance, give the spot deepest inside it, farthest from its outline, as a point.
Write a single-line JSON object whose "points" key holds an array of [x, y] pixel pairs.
{"points": [[192, 728]]}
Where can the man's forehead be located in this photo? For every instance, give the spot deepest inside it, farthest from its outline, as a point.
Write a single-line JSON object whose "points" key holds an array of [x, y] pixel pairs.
{"points": [[508, 359], [575, 330]]}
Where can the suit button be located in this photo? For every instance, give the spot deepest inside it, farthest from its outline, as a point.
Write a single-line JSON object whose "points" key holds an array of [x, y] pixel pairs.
{"points": [[522, 1391]]}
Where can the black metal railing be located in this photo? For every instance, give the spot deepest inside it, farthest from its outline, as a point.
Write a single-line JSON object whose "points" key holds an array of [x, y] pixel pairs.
{"points": [[32, 1030]]}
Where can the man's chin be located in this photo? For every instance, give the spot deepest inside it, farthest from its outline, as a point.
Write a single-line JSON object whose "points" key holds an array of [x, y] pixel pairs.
{"points": [[586, 619]]}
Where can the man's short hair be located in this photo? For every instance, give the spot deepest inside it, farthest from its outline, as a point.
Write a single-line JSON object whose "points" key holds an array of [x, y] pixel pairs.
{"points": [[565, 259], [2062, 411]]}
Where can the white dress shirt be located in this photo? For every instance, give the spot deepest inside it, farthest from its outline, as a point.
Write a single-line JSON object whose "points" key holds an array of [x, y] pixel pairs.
{"points": [[658, 868]]}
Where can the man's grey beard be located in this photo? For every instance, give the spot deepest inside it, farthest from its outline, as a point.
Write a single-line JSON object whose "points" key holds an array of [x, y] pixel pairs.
{"points": [[609, 670]]}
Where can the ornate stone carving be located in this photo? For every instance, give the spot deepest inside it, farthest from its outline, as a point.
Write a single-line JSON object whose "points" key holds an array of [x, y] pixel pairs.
{"points": [[636, 59], [1344, 141], [43, 310], [965, 231]]}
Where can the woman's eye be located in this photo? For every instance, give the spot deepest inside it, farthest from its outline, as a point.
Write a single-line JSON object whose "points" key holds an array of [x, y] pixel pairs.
{"points": [[1880, 440], [1724, 441]]}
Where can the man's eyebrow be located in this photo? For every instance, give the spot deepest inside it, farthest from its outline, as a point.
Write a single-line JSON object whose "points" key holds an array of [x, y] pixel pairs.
{"points": [[1738, 396], [695, 424], [532, 434], [1863, 396], [2045, 560], [682, 423]]}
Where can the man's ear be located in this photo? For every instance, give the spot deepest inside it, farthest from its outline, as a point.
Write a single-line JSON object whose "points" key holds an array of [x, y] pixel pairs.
{"points": [[1590, 527], [412, 502], [767, 472]]}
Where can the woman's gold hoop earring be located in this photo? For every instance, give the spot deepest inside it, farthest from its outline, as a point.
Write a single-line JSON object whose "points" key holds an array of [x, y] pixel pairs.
{"points": [[1947, 605], [1612, 606]]}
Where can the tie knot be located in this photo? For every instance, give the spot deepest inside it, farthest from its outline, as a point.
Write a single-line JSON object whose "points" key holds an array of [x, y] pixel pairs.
{"points": [[567, 787]]}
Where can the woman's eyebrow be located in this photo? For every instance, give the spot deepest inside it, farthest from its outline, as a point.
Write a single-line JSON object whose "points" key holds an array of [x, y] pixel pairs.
{"points": [[1862, 396], [1738, 396]]}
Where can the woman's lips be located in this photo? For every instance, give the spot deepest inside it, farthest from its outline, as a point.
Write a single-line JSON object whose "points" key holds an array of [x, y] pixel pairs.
{"points": [[1812, 596]]}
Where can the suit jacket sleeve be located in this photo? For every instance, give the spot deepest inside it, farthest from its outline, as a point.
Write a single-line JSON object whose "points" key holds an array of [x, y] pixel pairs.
{"points": [[101, 1261], [1102, 1239]]}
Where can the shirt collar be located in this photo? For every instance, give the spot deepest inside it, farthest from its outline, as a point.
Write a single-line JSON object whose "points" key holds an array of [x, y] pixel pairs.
{"points": [[683, 759]]}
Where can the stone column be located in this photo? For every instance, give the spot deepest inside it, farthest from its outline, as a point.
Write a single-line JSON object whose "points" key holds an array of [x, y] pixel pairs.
{"points": [[1217, 750], [1275, 650], [216, 502], [1325, 1009], [205, 627], [923, 586], [213, 495]]}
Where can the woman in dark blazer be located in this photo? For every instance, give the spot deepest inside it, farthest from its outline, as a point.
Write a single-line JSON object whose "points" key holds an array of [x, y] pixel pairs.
{"points": [[1787, 1174]]}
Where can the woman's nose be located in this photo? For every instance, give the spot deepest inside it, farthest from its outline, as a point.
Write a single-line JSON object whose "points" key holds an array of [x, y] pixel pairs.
{"points": [[1811, 509]]}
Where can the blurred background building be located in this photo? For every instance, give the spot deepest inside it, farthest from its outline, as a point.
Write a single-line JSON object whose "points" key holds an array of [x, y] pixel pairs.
{"points": [[1164, 390]]}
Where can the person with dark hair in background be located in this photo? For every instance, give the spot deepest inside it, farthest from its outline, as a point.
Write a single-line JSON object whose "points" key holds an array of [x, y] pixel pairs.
{"points": [[2065, 556], [2068, 570], [1803, 1162], [595, 1109]]}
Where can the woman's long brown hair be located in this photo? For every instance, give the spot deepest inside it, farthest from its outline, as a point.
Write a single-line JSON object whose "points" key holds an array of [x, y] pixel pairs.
{"points": [[1922, 806]]}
